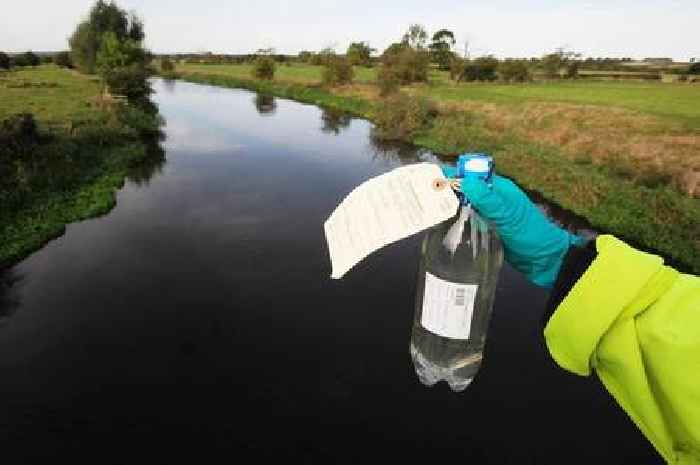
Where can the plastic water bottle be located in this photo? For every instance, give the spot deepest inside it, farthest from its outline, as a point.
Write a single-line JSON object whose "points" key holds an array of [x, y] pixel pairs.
{"points": [[460, 263]]}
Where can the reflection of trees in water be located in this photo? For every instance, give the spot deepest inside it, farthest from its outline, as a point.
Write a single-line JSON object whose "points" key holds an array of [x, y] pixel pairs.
{"points": [[334, 121], [142, 172], [169, 85], [9, 298], [265, 104], [394, 150]]}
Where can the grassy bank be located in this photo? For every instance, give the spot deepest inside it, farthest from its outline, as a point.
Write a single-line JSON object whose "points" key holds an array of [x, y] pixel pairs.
{"points": [[576, 155], [69, 167], [676, 102]]}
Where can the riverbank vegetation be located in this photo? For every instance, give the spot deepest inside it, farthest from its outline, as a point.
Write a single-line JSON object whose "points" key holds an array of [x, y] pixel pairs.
{"points": [[69, 138], [64, 150], [623, 154]]}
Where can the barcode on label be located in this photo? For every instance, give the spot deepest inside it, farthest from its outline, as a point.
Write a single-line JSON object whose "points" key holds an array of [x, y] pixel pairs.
{"points": [[448, 307], [459, 298]]}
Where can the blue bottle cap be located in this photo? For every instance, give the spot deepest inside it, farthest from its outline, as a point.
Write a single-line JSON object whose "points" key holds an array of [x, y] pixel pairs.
{"points": [[478, 164]]}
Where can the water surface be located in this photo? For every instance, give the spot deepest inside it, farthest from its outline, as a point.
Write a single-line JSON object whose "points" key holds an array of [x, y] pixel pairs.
{"points": [[198, 320]]}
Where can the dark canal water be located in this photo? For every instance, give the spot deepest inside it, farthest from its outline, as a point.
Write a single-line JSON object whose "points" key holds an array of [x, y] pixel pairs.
{"points": [[197, 320]]}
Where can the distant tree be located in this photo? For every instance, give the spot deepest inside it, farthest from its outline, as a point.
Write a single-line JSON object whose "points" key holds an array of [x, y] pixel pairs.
{"points": [[19, 61], [694, 68], [408, 64], [481, 69], [103, 17], [166, 65], [441, 48], [31, 59], [84, 45], [316, 59], [5, 62], [359, 53], [327, 54], [135, 29], [264, 68], [394, 49], [572, 68], [305, 56], [552, 64], [415, 37], [514, 71], [404, 62], [123, 67], [110, 55], [338, 71], [63, 60], [323, 57]]}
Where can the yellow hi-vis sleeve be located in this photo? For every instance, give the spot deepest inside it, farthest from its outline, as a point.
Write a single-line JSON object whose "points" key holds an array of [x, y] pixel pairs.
{"points": [[636, 322]]}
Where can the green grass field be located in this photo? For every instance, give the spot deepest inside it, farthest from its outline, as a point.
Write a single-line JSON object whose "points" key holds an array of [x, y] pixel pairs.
{"points": [[678, 102], [55, 96]]}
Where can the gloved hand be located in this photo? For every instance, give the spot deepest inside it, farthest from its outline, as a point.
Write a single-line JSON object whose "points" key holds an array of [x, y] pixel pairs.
{"points": [[532, 244]]}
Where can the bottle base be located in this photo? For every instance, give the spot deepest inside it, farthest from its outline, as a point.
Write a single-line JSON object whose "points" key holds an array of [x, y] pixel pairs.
{"points": [[429, 373]]}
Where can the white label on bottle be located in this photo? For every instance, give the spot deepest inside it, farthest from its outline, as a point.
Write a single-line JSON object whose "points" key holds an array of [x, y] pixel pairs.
{"points": [[448, 307]]}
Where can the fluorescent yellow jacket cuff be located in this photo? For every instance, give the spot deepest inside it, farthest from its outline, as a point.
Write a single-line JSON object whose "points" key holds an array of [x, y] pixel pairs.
{"points": [[637, 323]]}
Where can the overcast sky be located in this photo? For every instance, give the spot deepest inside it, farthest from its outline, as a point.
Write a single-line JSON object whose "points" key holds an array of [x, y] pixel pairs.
{"points": [[506, 28]]}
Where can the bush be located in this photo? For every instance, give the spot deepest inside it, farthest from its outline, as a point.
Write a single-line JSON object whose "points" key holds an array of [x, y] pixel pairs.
{"points": [[694, 68], [305, 56], [144, 123], [551, 65], [338, 71], [387, 80], [359, 53], [481, 69], [264, 68], [5, 62], [401, 116], [19, 61], [322, 58], [30, 59], [130, 82], [26, 59], [166, 65], [572, 70], [63, 60], [514, 71], [21, 126], [456, 68], [316, 59], [19, 131], [406, 64]]}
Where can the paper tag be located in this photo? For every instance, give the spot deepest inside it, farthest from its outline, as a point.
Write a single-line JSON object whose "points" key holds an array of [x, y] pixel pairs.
{"points": [[386, 209], [448, 307]]}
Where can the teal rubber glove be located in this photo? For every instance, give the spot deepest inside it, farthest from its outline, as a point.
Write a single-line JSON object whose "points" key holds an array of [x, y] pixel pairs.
{"points": [[533, 244]]}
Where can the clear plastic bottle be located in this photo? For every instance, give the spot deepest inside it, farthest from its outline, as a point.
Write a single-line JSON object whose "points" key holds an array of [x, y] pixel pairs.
{"points": [[460, 264]]}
